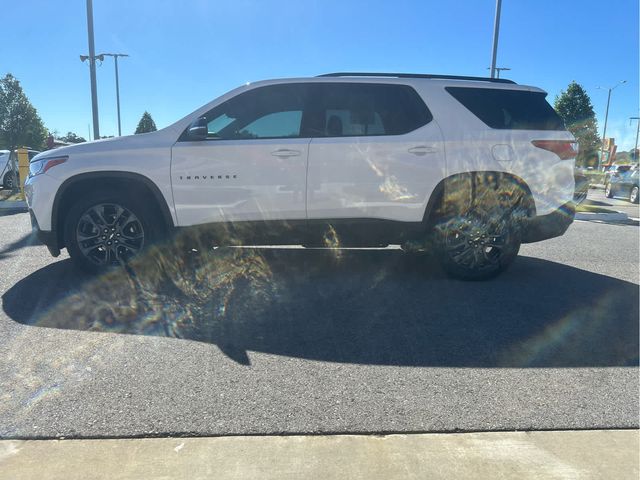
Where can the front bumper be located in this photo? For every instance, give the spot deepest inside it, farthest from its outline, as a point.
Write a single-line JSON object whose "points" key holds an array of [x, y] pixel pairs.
{"points": [[551, 225], [50, 239]]}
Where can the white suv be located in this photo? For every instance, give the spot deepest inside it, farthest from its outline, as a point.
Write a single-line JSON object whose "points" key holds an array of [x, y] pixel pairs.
{"points": [[470, 167]]}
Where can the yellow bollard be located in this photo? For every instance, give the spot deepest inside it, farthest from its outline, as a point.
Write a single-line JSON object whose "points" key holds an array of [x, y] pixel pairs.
{"points": [[23, 167]]}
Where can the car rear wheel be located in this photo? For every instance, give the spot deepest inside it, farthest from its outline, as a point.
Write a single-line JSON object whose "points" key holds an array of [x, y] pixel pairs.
{"points": [[608, 191], [8, 181], [477, 245], [106, 230], [633, 195]]}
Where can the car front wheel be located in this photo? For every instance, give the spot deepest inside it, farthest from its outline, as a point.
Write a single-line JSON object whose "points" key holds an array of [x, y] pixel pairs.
{"points": [[106, 230], [633, 195]]}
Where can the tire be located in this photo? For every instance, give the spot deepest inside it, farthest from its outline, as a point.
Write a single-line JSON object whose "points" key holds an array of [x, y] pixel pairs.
{"points": [[7, 181], [633, 194], [608, 190], [108, 229], [477, 245]]}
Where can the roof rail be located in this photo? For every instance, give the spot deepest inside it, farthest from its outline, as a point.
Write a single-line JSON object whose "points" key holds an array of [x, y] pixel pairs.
{"points": [[416, 75]]}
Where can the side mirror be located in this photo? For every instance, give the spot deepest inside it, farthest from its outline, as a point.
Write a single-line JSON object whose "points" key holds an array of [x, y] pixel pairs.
{"points": [[198, 129]]}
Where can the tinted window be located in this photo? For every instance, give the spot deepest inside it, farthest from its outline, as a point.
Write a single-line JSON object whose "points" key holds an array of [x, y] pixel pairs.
{"points": [[509, 109], [278, 124], [350, 109], [267, 112]]}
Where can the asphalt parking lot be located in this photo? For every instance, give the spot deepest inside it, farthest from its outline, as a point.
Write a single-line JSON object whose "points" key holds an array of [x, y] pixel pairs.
{"points": [[258, 341]]}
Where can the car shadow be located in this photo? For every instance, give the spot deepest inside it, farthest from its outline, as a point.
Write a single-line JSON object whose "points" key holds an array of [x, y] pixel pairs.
{"points": [[28, 240], [357, 306]]}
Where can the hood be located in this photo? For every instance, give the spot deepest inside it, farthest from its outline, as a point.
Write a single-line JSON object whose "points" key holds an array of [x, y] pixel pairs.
{"points": [[166, 136]]}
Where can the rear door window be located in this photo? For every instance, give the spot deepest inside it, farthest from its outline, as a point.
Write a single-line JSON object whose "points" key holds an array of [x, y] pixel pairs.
{"points": [[352, 109], [509, 109]]}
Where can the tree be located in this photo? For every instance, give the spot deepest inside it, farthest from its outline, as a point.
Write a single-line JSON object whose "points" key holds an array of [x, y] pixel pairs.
{"points": [[20, 124], [575, 108], [146, 124], [71, 137]]}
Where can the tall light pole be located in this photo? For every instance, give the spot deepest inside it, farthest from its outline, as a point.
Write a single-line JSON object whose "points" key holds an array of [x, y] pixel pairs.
{"points": [[92, 69], [606, 117], [115, 57], [637, 119], [496, 31]]}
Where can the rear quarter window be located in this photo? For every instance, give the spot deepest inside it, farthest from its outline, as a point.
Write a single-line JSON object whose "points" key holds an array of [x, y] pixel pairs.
{"points": [[509, 109]]}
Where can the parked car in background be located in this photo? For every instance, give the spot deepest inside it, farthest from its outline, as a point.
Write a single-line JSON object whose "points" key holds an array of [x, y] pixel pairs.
{"points": [[6, 166], [4, 163], [623, 185], [615, 170]]}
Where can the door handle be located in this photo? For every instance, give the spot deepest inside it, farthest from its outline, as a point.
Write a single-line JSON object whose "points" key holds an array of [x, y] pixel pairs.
{"points": [[284, 153], [422, 150]]}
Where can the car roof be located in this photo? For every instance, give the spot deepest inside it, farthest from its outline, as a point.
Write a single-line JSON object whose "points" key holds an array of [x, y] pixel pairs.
{"points": [[430, 76], [405, 79]]}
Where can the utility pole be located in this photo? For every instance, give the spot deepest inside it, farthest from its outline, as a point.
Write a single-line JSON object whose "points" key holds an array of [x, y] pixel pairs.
{"points": [[496, 31], [92, 68], [606, 117], [115, 57]]}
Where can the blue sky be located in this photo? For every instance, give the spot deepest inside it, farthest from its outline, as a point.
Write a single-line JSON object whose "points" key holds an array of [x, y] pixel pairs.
{"points": [[185, 53]]}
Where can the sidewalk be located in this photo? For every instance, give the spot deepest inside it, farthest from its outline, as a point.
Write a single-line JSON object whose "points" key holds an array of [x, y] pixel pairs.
{"points": [[606, 454]]}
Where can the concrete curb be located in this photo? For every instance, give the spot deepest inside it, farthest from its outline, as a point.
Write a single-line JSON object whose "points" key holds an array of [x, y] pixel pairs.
{"points": [[504, 455], [602, 217], [13, 205]]}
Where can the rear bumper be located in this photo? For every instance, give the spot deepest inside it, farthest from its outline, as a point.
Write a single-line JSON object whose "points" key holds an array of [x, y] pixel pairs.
{"points": [[551, 225], [46, 238]]}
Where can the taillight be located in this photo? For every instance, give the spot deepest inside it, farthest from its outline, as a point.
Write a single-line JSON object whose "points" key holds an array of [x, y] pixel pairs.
{"points": [[565, 149]]}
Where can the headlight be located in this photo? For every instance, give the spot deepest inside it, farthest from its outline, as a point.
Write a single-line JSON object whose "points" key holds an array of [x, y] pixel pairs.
{"points": [[44, 164]]}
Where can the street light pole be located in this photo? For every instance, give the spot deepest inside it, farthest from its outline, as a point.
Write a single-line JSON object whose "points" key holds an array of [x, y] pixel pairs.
{"points": [[637, 119], [496, 31], [92, 69], [115, 57], [606, 117]]}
